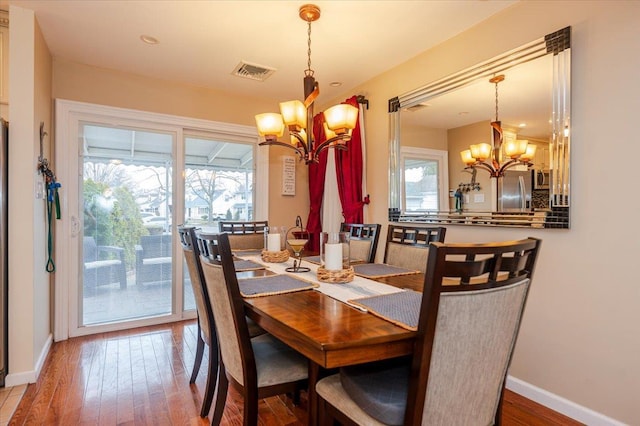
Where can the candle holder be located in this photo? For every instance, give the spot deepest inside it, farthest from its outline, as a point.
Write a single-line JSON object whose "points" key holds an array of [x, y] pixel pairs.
{"points": [[274, 245], [334, 258], [297, 239]]}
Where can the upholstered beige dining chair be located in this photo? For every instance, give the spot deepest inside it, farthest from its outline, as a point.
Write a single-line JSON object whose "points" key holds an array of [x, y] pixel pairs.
{"points": [[245, 235], [258, 367], [363, 240], [464, 342], [206, 332], [408, 245]]}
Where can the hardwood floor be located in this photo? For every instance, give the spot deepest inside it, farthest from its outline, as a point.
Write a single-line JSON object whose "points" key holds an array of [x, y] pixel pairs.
{"points": [[141, 377]]}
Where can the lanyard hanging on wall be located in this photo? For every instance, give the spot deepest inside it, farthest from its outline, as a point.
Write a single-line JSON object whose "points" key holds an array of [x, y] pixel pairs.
{"points": [[53, 200]]}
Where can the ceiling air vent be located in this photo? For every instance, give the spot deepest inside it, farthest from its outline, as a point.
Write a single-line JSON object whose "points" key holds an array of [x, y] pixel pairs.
{"points": [[253, 71]]}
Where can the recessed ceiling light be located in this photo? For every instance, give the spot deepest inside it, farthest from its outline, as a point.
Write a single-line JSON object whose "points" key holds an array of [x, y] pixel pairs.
{"points": [[522, 125], [149, 39], [335, 84]]}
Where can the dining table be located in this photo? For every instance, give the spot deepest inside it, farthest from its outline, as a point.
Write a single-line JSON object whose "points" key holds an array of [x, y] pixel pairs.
{"points": [[329, 332]]}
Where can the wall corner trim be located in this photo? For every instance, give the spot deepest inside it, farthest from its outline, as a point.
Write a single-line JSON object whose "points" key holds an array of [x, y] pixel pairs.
{"points": [[31, 376]]}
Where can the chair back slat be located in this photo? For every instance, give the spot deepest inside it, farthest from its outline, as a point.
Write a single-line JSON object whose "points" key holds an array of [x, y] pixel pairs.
{"points": [[467, 332], [407, 245], [251, 227], [364, 239]]}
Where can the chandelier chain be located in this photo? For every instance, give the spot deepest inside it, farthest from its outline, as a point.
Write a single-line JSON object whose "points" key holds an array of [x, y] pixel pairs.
{"points": [[496, 101], [309, 70]]}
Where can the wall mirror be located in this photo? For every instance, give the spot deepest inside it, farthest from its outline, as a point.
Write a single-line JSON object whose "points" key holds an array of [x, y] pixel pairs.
{"points": [[530, 98]]}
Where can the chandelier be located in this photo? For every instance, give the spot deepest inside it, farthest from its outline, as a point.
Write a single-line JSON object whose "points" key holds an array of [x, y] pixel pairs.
{"points": [[339, 120], [519, 152]]}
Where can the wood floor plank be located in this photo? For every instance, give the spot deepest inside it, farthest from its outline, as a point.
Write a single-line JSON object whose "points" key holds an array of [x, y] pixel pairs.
{"points": [[141, 377]]}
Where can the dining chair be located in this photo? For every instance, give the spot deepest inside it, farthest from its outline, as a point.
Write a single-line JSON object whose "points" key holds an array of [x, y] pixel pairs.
{"points": [[206, 332], [363, 240], [258, 368], [245, 235], [408, 245], [465, 338]]}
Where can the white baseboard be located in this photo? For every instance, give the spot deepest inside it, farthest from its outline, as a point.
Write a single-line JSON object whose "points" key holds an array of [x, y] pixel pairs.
{"points": [[559, 404], [25, 377]]}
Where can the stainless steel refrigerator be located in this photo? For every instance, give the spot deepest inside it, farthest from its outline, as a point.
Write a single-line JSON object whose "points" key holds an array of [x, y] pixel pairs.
{"points": [[4, 277], [514, 191]]}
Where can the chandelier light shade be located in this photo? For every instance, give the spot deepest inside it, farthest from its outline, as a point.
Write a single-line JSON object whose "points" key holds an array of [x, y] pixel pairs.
{"points": [[487, 157], [297, 116]]}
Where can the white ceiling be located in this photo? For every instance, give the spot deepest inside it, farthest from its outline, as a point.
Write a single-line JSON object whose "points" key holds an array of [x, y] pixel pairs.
{"points": [[201, 42]]}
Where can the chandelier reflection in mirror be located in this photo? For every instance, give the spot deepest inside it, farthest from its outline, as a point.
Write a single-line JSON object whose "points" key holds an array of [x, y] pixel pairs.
{"points": [[519, 152], [339, 120]]}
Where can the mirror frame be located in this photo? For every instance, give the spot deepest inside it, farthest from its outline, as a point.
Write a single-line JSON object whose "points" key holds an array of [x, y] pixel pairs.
{"points": [[557, 44]]}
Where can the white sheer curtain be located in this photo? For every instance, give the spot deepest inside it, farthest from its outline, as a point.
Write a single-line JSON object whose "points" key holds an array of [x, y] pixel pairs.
{"points": [[331, 208]]}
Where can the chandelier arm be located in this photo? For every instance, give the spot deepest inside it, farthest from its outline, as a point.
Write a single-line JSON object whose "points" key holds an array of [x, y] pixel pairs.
{"points": [[489, 168], [301, 153], [335, 141], [301, 141], [512, 163]]}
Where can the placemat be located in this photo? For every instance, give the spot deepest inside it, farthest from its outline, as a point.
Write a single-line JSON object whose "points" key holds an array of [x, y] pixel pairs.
{"points": [[402, 308], [379, 270], [272, 284], [247, 265]]}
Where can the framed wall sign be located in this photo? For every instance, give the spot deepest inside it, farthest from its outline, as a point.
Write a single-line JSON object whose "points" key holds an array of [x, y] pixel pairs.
{"points": [[288, 175]]}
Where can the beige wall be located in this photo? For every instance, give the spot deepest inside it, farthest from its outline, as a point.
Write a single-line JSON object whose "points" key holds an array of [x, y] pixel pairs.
{"points": [[424, 137], [29, 289], [84, 83], [579, 339]]}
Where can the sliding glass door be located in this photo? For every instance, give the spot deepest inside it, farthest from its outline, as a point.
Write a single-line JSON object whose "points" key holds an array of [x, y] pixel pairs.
{"points": [[127, 223], [138, 176]]}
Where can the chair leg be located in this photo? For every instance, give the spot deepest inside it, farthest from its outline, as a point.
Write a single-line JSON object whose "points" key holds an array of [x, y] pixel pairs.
{"points": [[199, 352], [221, 395], [213, 379], [250, 407]]}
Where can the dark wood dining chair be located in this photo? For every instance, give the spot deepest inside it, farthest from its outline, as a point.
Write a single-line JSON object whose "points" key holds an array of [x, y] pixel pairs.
{"points": [[408, 245], [245, 235], [363, 240], [206, 332], [258, 368], [464, 342]]}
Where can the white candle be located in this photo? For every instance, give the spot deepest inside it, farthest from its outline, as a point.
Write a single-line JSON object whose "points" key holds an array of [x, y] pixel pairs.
{"points": [[333, 256], [273, 242]]}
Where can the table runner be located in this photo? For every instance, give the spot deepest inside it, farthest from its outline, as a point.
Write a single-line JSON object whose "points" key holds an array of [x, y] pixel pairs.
{"points": [[379, 270], [272, 284], [402, 309], [358, 288], [316, 260], [247, 265]]}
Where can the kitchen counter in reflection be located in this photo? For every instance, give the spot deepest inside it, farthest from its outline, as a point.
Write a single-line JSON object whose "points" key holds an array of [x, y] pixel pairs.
{"points": [[539, 218]]}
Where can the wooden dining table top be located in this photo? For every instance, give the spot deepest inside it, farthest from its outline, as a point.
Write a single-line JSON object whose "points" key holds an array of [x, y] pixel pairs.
{"points": [[329, 332]]}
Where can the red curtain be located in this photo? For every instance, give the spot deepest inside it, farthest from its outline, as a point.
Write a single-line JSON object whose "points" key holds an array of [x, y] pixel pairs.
{"points": [[317, 173], [349, 174]]}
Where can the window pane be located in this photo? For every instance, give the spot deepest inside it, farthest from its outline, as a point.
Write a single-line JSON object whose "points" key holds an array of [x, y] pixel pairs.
{"points": [[126, 191], [218, 186], [420, 184]]}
